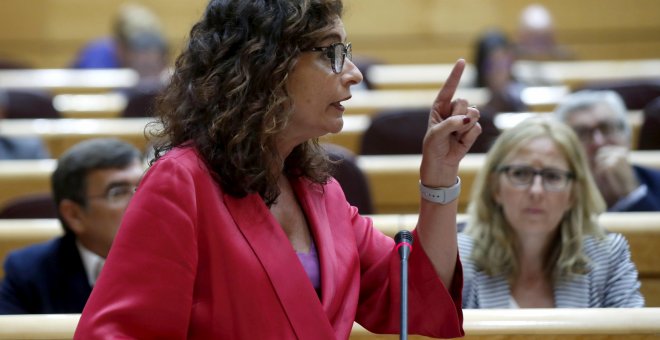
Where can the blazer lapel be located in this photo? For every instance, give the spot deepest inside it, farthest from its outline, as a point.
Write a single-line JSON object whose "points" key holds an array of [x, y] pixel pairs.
{"points": [[572, 293], [317, 217], [494, 292], [71, 277], [280, 262]]}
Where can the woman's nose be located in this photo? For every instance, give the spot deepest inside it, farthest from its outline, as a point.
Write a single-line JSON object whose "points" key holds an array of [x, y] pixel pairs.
{"points": [[352, 73]]}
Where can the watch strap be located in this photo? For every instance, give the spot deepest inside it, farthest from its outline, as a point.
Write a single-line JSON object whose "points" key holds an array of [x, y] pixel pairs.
{"points": [[442, 195]]}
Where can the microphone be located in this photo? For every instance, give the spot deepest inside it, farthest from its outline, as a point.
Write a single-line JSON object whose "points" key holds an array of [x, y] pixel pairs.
{"points": [[404, 240]]}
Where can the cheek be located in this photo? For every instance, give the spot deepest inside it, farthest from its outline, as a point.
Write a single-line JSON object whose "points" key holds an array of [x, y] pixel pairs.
{"points": [[110, 218], [506, 196], [303, 99], [565, 202], [509, 200]]}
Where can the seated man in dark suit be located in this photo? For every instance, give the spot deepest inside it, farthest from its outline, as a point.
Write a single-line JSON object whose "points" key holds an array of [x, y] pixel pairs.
{"points": [[599, 120], [92, 185]]}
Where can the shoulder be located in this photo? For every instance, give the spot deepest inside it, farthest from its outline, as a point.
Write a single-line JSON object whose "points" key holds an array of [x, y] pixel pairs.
{"points": [[607, 250], [179, 178], [103, 43], [332, 187], [34, 257], [648, 176], [180, 159], [98, 53]]}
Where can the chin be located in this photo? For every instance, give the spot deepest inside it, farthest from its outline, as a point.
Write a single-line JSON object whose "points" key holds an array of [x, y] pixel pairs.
{"points": [[338, 126]]}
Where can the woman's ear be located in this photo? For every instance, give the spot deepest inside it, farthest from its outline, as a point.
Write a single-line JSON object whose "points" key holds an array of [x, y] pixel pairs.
{"points": [[72, 213]]}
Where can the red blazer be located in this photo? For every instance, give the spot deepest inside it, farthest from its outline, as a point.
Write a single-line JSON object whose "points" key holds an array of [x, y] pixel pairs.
{"points": [[190, 261]]}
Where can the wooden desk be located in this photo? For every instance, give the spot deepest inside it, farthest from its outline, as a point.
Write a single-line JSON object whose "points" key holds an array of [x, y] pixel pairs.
{"points": [[577, 73], [539, 323], [69, 80], [642, 230], [416, 76], [550, 323], [532, 73], [354, 126], [538, 98], [90, 105], [111, 104], [60, 134], [393, 178], [393, 181], [19, 178]]}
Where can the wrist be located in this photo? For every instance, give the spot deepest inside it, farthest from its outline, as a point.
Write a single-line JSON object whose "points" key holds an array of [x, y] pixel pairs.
{"points": [[441, 195]]}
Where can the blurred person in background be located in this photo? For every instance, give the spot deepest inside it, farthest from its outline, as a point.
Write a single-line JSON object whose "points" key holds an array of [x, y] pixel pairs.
{"points": [[535, 36], [493, 60], [130, 21], [532, 238], [92, 185], [599, 118]]}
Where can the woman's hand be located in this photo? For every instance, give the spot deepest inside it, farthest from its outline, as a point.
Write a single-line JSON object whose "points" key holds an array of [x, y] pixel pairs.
{"points": [[453, 128]]}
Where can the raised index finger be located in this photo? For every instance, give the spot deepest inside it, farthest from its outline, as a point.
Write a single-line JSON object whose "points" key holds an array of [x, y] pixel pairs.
{"points": [[442, 103]]}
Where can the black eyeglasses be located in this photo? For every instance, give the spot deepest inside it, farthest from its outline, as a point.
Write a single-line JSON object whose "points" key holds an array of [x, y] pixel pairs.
{"points": [[337, 53], [121, 193], [606, 128], [522, 176]]}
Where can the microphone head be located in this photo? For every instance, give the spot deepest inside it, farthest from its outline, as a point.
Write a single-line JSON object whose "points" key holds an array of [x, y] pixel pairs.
{"points": [[403, 236]]}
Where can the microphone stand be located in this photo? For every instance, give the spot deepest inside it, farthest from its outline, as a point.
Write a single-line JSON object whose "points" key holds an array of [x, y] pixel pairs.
{"points": [[404, 241]]}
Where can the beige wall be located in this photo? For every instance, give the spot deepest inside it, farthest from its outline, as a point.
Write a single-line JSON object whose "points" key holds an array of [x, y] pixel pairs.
{"points": [[46, 33]]}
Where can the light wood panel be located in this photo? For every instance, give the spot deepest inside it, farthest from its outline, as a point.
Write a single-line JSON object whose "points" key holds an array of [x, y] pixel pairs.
{"points": [[546, 324], [60, 134], [68, 80], [47, 33], [393, 179], [642, 230], [572, 74], [487, 324]]}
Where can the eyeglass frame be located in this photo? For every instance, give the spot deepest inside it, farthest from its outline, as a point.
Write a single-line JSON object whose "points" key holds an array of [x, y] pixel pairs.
{"points": [[607, 128], [119, 196], [346, 52], [567, 176]]}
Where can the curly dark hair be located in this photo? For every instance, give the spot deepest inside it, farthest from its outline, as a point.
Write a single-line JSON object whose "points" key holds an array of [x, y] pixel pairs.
{"points": [[227, 96]]}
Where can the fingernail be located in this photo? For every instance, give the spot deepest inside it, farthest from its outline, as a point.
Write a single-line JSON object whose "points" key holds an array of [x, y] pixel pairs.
{"points": [[466, 120]]}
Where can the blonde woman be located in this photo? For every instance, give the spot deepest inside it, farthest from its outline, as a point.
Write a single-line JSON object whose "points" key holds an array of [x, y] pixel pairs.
{"points": [[533, 239]]}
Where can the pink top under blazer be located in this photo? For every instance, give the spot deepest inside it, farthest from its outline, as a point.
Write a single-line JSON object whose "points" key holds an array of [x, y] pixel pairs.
{"points": [[192, 262]]}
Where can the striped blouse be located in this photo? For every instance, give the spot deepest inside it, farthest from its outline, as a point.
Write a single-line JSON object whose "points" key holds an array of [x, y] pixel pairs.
{"points": [[612, 280]]}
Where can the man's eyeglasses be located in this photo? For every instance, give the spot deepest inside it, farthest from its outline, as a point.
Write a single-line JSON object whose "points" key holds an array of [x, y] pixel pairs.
{"points": [[522, 176], [337, 53], [606, 128], [117, 194]]}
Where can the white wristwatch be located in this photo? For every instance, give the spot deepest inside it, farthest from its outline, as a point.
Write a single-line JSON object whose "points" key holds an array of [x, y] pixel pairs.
{"points": [[441, 195]]}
